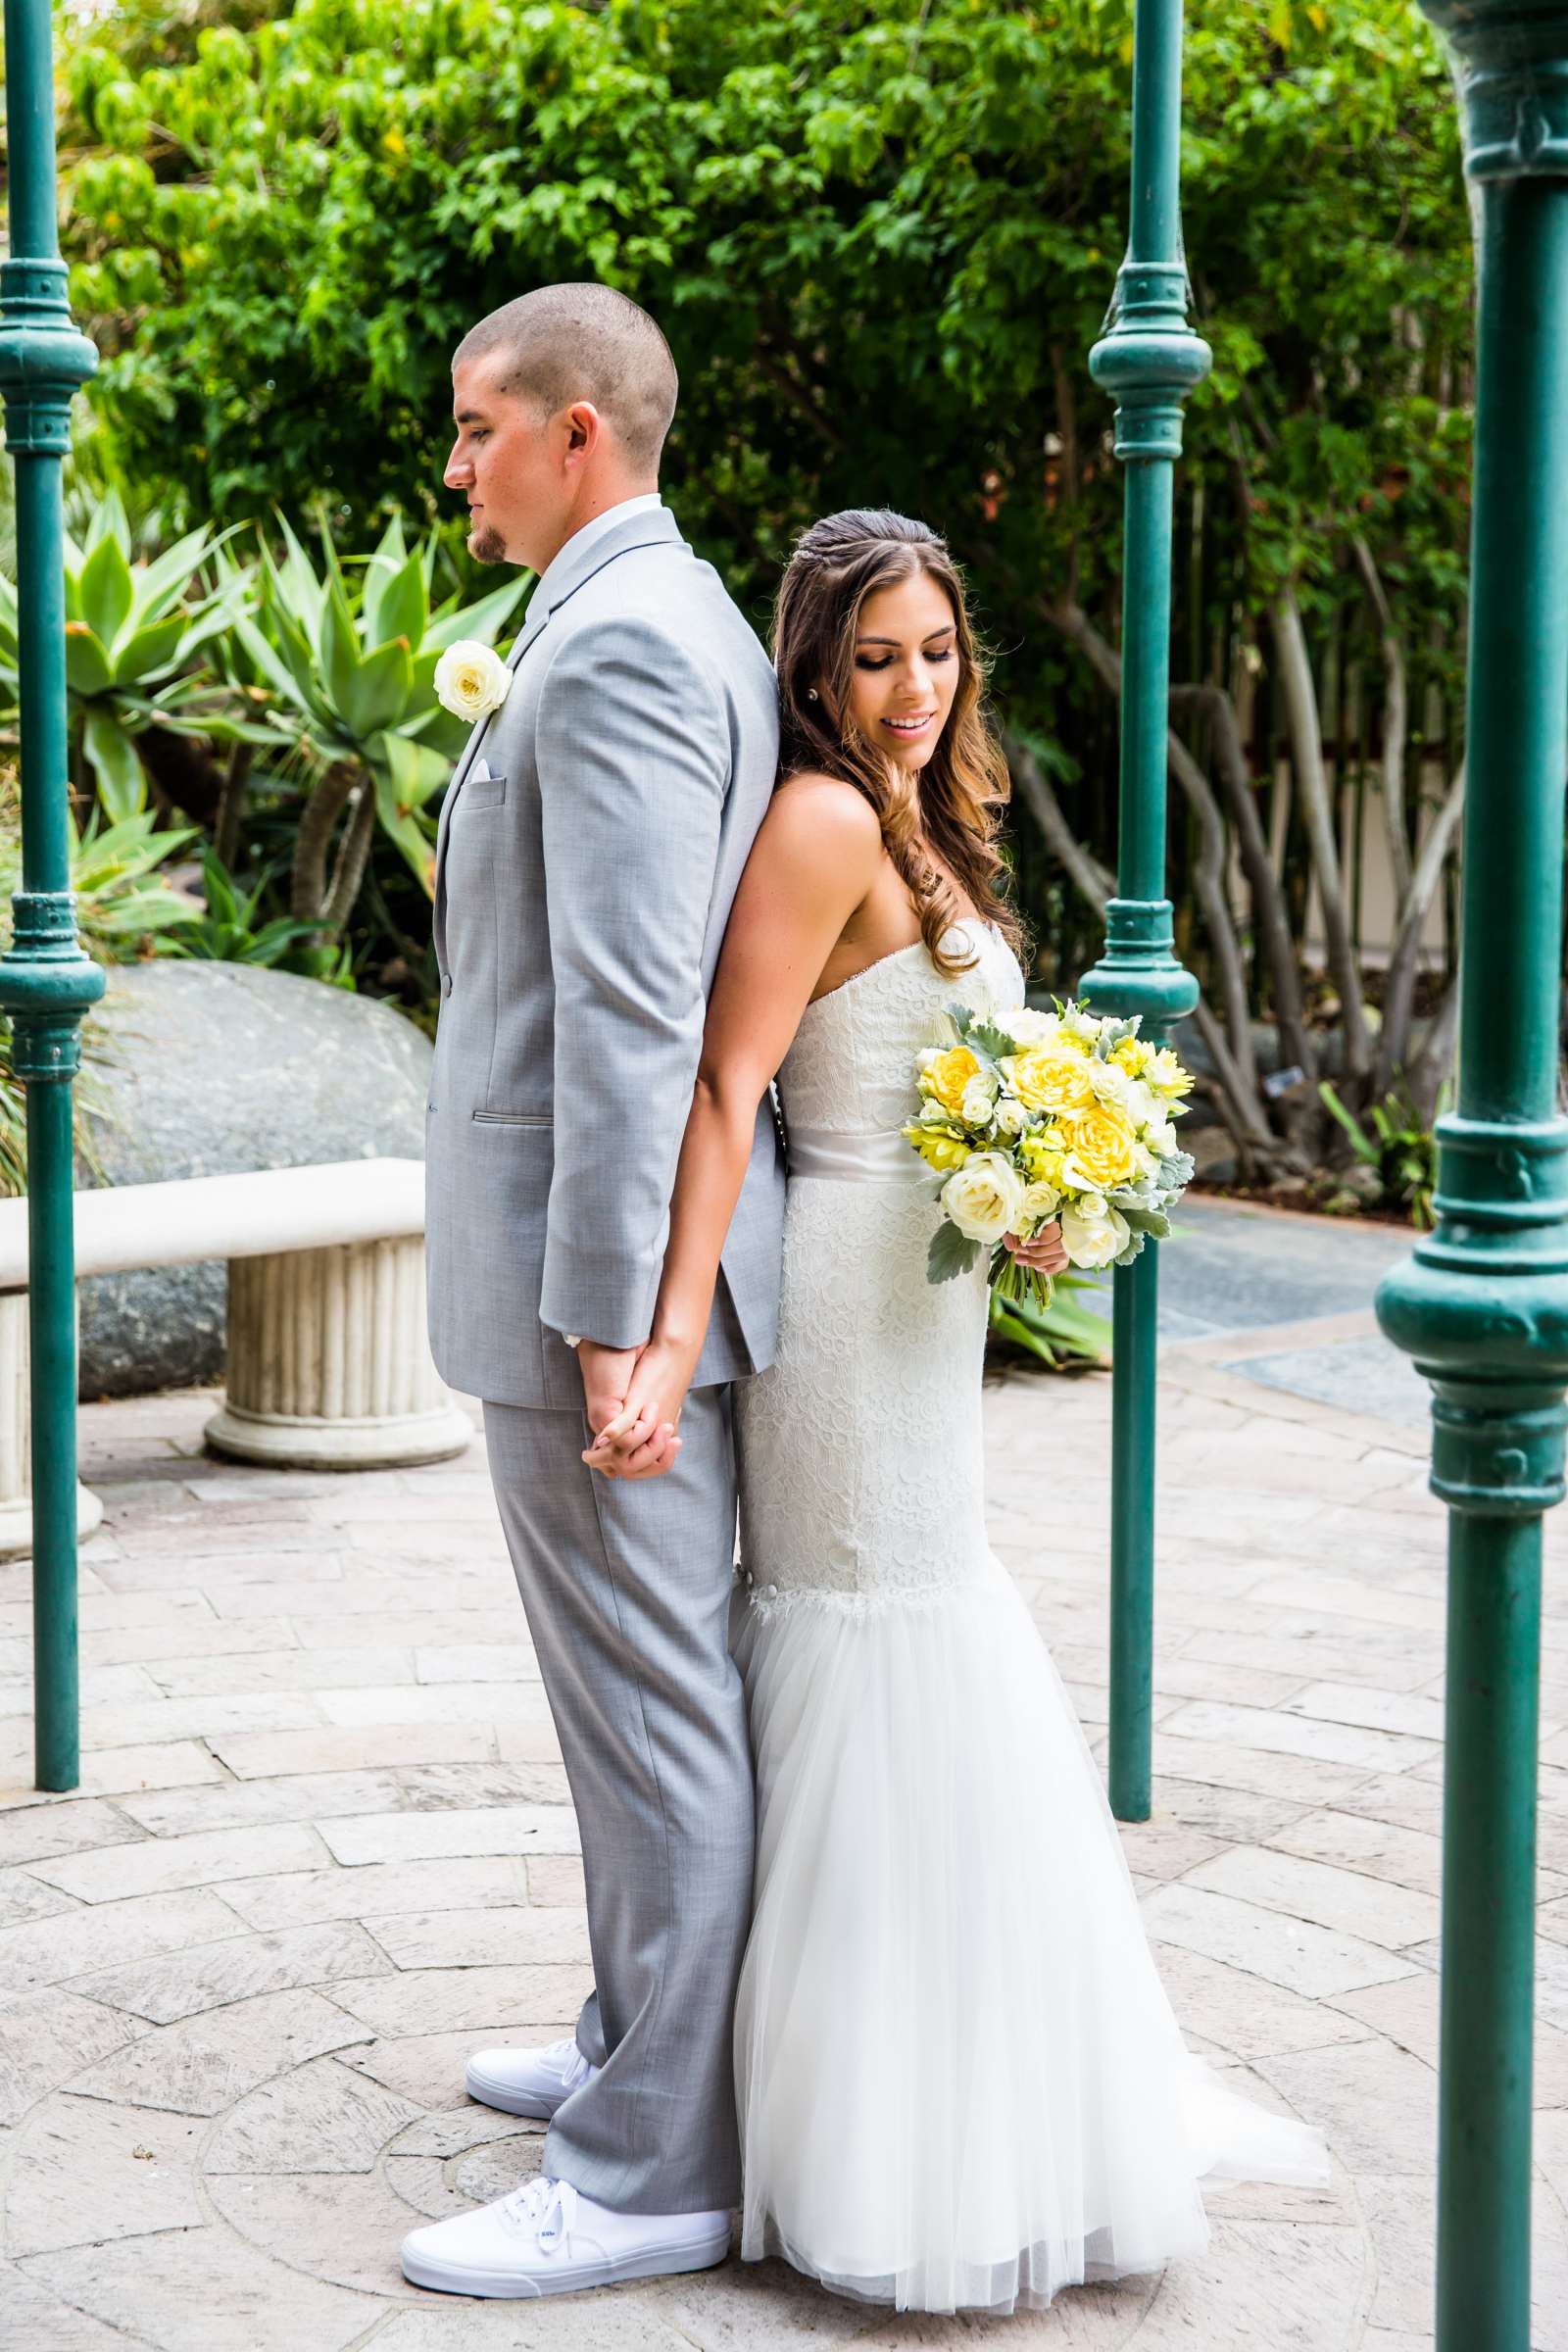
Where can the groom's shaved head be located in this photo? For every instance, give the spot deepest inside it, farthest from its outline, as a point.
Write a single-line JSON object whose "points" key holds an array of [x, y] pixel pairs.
{"points": [[584, 342]]}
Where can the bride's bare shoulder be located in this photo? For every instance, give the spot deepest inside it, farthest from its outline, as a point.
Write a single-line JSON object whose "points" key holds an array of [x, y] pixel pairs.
{"points": [[827, 813]]}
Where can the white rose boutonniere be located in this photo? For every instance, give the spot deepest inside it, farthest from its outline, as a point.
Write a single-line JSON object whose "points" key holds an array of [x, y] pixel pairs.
{"points": [[471, 680]]}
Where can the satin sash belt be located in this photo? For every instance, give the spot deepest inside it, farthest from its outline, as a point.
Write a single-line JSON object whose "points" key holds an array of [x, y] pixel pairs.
{"points": [[851, 1158]]}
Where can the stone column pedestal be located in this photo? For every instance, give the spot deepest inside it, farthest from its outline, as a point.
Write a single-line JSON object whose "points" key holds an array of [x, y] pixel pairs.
{"points": [[329, 1365], [16, 1438]]}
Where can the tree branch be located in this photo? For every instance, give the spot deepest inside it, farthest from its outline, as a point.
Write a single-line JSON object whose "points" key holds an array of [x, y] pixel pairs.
{"points": [[1209, 878], [1426, 1071], [1404, 958], [229, 833], [1307, 757], [1396, 721], [316, 900], [1269, 912], [1094, 881]]}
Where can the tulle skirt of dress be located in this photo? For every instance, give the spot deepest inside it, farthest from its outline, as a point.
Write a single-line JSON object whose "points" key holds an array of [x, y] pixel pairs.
{"points": [[960, 2082]]}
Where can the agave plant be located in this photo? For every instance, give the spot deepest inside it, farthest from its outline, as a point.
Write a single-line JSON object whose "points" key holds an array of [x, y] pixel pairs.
{"points": [[232, 928], [132, 632], [348, 655]]}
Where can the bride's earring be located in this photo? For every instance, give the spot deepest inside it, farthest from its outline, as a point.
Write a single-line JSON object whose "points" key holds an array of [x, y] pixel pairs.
{"points": [[811, 695]]}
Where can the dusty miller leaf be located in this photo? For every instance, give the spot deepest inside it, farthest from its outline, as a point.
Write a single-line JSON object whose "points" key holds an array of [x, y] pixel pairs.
{"points": [[950, 1252]]}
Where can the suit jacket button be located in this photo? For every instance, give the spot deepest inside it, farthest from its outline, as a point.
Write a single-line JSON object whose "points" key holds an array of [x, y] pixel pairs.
{"points": [[446, 984]]}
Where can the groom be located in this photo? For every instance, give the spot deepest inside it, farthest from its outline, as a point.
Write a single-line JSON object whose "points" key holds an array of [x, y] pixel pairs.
{"points": [[589, 848]]}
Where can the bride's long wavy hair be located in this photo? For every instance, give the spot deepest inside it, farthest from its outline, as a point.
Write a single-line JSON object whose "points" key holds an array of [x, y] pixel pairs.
{"points": [[958, 798]]}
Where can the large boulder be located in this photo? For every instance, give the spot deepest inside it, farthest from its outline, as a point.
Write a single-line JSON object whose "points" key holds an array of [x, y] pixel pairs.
{"points": [[203, 1069]]}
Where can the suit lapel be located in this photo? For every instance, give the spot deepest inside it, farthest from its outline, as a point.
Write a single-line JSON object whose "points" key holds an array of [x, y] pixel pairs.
{"points": [[653, 526], [534, 621]]}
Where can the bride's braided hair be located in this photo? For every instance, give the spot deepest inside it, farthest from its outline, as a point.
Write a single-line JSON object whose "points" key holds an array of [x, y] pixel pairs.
{"points": [[960, 794]]}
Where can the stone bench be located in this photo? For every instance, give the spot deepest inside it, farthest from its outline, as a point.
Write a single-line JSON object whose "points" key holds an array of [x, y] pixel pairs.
{"points": [[328, 1363]]}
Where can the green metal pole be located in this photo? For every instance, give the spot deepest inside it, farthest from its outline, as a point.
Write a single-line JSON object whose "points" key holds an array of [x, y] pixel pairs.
{"points": [[1482, 1305], [46, 982], [1150, 358]]}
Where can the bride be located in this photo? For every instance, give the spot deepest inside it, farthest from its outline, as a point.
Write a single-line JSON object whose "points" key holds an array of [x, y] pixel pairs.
{"points": [[958, 2077]]}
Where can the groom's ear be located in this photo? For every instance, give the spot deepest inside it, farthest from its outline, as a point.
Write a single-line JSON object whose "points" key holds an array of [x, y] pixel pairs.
{"points": [[584, 430]]}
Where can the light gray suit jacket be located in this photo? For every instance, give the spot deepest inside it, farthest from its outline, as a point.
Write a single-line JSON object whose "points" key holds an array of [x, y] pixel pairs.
{"points": [[581, 893]]}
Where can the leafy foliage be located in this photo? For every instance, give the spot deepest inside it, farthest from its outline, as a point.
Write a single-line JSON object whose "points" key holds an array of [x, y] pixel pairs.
{"points": [[124, 911], [1062, 1335], [350, 655], [136, 635], [1401, 1151], [882, 248], [882, 241], [232, 928]]}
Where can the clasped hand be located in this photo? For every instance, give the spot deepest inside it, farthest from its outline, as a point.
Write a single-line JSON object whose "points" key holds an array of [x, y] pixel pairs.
{"points": [[634, 1395]]}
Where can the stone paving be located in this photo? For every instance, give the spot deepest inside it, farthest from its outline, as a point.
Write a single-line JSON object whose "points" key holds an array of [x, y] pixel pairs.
{"points": [[323, 1848]]}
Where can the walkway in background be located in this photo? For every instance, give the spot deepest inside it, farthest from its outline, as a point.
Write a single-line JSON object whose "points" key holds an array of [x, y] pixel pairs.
{"points": [[323, 1848], [1293, 1295]]}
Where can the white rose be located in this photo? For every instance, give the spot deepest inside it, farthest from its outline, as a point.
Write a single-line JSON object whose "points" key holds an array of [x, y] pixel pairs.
{"points": [[472, 679], [1078, 1023], [1111, 1083], [979, 1098], [1093, 1242], [1012, 1116], [1161, 1136], [1027, 1027], [984, 1197], [1039, 1205]]}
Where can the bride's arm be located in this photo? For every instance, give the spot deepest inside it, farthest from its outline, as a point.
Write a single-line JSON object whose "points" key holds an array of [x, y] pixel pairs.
{"points": [[815, 857]]}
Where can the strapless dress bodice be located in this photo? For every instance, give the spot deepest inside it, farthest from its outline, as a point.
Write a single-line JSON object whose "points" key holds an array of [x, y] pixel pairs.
{"points": [[847, 1083]]}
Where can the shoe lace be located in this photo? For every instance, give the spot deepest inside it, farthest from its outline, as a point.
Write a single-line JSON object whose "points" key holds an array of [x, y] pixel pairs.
{"points": [[568, 2062], [542, 2209]]}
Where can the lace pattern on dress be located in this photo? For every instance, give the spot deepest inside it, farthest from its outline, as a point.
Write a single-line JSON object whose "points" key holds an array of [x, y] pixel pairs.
{"points": [[843, 1489], [779, 1601]]}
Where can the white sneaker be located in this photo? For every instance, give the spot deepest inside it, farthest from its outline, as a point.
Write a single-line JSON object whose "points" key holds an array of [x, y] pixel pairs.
{"points": [[546, 2238], [528, 2081]]}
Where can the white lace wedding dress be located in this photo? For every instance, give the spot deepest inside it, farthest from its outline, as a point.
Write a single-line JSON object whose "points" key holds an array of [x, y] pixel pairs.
{"points": [[960, 2078]]}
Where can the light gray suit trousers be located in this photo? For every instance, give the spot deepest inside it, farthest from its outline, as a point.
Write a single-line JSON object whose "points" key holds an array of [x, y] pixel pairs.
{"points": [[582, 891]]}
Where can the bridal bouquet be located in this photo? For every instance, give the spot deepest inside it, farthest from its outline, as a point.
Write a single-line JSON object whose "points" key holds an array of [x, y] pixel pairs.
{"points": [[1029, 1116]]}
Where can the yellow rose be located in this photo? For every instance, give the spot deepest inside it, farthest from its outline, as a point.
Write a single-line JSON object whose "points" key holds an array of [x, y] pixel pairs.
{"points": [[1051, 1078], [936, 1148], [1043, 1153], [1104, 1148], [946, 1075], [1166, 1074]]}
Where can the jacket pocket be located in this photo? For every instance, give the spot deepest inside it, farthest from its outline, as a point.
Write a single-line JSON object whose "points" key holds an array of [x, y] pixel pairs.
{"points": [[515, 1118], [479, 792]]}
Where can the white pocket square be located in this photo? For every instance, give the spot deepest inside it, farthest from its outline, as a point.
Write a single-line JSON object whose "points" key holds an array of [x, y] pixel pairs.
{"points": [[479, 772]]}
